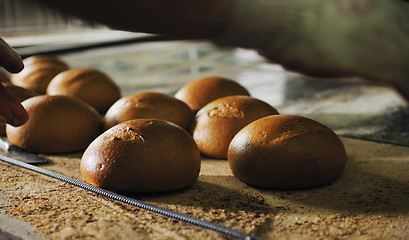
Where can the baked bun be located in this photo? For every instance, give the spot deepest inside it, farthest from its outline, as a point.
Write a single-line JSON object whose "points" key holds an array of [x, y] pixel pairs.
{"points": [[142, 155], [217, 122], [87, 84], [56, 124], [35, 59], [21, 94], [202, 91], [153, 105], [38, 73], [286, 152]]}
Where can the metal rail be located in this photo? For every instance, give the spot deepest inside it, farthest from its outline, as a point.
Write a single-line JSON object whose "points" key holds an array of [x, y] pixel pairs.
{"points": [[131, 201]]}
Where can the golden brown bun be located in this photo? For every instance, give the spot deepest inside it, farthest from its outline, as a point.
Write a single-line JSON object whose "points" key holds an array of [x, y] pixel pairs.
{"points": [[37, 75], [202, 91], [153, 105], [21, 94], [217, 122], [35, 59], [56, 124], [38, 72], [142, 155], [90, 85], [286, 152]]}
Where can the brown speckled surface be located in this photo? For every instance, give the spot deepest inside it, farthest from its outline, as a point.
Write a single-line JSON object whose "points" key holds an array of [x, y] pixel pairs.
{"points": [[369, 201]]}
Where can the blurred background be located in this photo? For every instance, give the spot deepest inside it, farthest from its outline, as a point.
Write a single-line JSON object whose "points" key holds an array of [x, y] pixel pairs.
{"points": [[29, 17], [352, 107]]}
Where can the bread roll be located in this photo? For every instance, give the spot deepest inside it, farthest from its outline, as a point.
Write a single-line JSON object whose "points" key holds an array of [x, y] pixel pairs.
{"points": [[89, 85], [56, 124], [217, 122], [35, 59], [286, 152], [202, 91], [153, 105], [142, 155], [38, 72]]}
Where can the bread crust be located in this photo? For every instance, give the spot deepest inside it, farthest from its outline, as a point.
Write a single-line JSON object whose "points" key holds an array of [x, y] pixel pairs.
{"points": [[204, 90], [37, 76], [142, 155], [153, 105], [56, 124], [216, 124], [286, 152], [89, 85]]}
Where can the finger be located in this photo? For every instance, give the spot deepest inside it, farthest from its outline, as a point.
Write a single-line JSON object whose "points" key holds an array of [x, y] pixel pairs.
{"points": [[9, 58], [11, 111]]}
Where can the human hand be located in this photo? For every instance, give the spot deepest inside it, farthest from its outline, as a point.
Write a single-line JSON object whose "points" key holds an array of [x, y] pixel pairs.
{"points": [[11, 111]]}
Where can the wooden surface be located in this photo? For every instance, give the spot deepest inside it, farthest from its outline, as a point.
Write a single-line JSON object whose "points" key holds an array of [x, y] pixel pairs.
{"points": [[369, 201]]}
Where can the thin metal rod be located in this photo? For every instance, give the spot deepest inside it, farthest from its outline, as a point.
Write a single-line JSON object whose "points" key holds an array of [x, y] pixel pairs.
{"points": [[25, 52], [131, 201]]}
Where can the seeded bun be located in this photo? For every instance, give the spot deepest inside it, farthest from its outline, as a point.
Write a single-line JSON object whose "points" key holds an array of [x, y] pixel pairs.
{"points": [[153, 105], [142, 155], [38, 72], [216, 123], [202, 91], [286, 152], [87, 84], [56, 124]]}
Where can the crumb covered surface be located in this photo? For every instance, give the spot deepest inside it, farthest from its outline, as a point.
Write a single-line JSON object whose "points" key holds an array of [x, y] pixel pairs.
{"points": [[369, 201]]}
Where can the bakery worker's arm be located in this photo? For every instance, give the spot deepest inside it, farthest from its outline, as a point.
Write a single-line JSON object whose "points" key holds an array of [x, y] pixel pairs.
{"points": [[11, 111], [368, 38], [179, 18]]}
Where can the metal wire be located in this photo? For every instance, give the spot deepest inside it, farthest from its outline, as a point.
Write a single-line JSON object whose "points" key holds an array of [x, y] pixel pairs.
{"points": [[131, 201]]}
